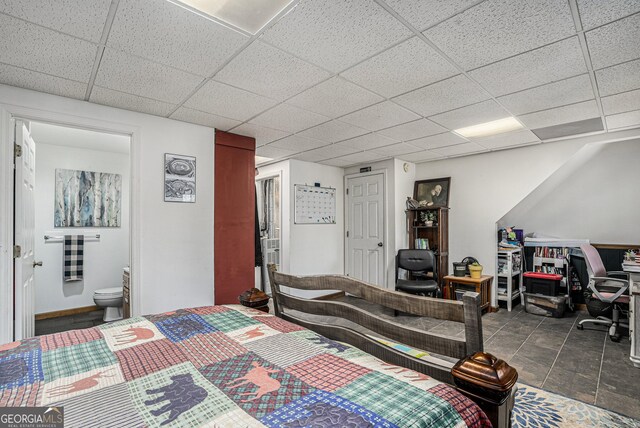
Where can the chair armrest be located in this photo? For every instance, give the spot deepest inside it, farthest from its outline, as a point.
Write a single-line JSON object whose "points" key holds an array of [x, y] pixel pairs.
{"points": [[618, 272]]}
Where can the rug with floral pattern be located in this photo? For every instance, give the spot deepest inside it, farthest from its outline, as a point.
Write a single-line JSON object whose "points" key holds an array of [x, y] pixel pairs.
{"points": [[536, 408]]}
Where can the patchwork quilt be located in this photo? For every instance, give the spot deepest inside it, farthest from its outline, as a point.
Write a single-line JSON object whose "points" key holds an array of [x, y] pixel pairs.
{"points": [[221, 366]]}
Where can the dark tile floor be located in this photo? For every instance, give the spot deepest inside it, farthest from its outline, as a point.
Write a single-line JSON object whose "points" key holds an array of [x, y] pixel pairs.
{"points": [[71, 322], [552, 354]]}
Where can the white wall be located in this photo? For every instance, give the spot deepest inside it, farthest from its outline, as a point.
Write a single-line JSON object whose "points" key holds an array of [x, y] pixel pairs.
{"points": [[103, 260], [309, 249], [175, 268], [592, 196]]}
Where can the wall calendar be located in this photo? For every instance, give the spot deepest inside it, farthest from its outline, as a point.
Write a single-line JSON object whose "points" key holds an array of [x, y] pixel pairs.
{"points": [[314, 205]]}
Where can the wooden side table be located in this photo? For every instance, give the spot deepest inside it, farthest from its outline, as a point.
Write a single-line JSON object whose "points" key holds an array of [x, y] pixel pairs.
{"points": [[480, 285]]}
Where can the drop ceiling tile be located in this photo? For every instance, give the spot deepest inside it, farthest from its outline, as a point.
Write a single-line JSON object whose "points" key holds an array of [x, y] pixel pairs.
{"points": [[423, 156], [172, 35], [441, 140], [117, 99], [619, 78], [405, 67], [227, 101], [205, 119], [497, 29], [624, 120], [268, 151], [460, 149], [563, 92], [333, 131], [559, 115], [297, 143], [326, 152], [337, 162], [380, 116], [39, 49], [262, 134], [538, 67], [138, 76], [336, 34], [80, 18], [288, 118], [422, 14], [361, 157], [621, 103], [475, 114], [335, 97], [412, 130], [41, 82], [446, 95], [614, 43], [268, 71], [396, 149], [507, 139], [594, 13], [366, 142]]}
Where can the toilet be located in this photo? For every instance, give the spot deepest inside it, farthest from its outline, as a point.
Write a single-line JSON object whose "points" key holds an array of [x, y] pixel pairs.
{"points": [[111, 300]]}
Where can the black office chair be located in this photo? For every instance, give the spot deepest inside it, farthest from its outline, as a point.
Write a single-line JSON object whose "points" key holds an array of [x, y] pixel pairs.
{"points": [[418, 263]]}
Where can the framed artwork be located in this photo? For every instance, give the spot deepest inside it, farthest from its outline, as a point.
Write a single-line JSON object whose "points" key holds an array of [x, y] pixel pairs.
{"points": [[87, 199], [179, 178], [432, 193]]}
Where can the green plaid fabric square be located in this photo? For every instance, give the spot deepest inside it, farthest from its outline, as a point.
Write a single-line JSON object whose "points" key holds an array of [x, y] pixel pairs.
{"points": [[75, 359], [399, 402], [178, 396], [229, 321]]}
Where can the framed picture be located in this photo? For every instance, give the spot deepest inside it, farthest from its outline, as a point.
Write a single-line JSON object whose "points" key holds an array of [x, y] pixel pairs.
{"points": [[432, 193], [179, 178]]}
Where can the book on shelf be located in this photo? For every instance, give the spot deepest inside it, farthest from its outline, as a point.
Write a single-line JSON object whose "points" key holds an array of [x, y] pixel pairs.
{"points": [[551, 252], [421, 244]]}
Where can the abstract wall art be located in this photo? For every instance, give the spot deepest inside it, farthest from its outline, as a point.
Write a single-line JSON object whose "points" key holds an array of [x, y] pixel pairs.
{"points": [[179, 178], [87, 199]]}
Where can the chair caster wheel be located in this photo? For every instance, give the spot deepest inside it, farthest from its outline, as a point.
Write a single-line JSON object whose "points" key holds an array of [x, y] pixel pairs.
{"points": [[580, 327]]}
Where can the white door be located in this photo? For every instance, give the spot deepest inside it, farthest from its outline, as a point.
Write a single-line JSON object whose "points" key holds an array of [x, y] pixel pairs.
{"points": [[24, 232], [365, 228]]}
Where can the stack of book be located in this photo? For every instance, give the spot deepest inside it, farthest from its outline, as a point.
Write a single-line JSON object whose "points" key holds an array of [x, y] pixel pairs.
{"points": [[422, 244], [629, 266]]}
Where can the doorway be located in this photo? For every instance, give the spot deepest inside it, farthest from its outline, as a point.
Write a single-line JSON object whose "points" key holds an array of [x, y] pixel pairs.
{"points": [[365, 212], [268, 193], [71, 227]]}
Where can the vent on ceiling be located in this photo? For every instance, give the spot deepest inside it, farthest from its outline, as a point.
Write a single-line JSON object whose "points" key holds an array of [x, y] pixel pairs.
{"points": [[568, 129]]}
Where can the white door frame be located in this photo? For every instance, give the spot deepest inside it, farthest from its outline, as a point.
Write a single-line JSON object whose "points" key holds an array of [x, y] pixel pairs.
{"points": [[283, 244], [7, 113], [385, 215]]}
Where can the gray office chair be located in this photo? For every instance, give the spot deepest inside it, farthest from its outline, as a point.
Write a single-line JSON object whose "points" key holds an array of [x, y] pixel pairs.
{"points": [[607, 294], [418, 263]]}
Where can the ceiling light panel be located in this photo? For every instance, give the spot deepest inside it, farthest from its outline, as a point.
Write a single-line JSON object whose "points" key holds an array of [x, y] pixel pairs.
{"points": [[247, 15], [336, 34], [497, 29], [490, 128]]}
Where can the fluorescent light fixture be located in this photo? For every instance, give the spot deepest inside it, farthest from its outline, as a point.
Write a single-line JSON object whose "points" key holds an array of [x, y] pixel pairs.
{"points": [[262, 159], [247, 15], [490, 128]]}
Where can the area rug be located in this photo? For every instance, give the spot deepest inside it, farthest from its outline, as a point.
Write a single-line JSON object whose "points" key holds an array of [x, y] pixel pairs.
{"points": [[541, 409], [536, 408]]}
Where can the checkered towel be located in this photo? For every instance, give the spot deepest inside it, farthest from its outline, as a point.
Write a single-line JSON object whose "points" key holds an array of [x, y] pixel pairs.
{"points": [[73, 257]]}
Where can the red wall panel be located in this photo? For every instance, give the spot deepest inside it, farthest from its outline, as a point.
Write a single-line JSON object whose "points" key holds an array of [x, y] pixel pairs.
{"points": [[234, 211]]}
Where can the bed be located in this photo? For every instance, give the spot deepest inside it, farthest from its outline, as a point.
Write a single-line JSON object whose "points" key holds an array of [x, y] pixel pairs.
{"points": [[226, 366]]}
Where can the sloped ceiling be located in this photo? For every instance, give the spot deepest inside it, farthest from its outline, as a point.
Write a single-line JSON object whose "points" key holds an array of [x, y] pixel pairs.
{"points": [[339, 82]]}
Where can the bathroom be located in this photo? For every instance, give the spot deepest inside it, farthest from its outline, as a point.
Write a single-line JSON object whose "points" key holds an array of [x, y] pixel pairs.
{"points": [[82, 178]]}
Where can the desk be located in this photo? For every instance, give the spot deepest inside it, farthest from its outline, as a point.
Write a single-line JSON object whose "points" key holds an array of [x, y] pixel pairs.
{"points": [[480, 285], [634, 317]]}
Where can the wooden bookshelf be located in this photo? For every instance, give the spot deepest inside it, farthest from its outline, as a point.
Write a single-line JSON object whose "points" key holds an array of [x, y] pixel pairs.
{"points": [[437, 234]]}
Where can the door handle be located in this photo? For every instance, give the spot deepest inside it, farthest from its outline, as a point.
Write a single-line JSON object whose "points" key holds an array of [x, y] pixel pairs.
{"points": [[379, 244], [37, 264]]}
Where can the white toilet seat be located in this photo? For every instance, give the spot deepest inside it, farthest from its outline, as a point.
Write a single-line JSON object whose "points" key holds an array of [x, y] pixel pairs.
{"points": [[107, 293]]}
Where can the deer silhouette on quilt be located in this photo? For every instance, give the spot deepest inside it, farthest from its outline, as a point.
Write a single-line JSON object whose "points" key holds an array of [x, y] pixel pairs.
{"points": [[259, 376], [133, 334], [251, 334], [79, 385], [182, 394]]}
